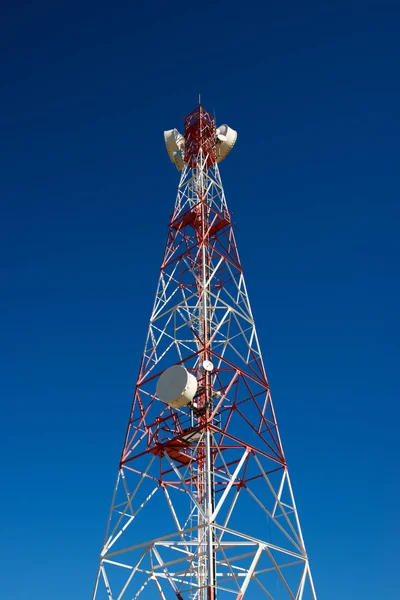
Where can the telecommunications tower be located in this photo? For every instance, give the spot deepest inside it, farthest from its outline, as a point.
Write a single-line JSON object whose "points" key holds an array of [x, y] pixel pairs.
{"points": [[203, 507]]}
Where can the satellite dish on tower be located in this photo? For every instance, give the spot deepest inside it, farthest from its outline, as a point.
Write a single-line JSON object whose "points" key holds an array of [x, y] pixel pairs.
{"points": [[175, 143], [208, 366], [226, 138], [176, 386]]}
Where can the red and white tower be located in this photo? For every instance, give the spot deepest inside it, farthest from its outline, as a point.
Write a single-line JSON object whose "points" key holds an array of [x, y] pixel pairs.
{"points": [[203, 507]]}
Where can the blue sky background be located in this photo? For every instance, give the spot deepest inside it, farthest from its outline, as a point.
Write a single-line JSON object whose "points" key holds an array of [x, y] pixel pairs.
{"points": [[86, 188]]}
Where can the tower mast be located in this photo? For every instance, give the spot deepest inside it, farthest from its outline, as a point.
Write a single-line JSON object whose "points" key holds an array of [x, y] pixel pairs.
{"points": [[201, 143], [203, 506]]}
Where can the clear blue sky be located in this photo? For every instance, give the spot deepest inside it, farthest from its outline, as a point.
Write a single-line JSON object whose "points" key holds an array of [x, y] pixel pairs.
{"points": [[86, 188]]}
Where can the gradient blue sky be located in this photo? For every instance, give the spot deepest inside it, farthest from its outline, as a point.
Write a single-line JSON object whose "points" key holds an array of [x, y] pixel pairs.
{"points": [[86, 188]]}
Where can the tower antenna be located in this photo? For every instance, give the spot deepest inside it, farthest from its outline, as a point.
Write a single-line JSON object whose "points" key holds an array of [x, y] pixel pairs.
{"points": [[203, 507]]}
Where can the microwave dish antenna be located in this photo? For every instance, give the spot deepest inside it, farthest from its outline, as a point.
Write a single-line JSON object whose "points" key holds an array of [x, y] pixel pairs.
{"points": [[175, 143], [226, 139], [176, 387]]}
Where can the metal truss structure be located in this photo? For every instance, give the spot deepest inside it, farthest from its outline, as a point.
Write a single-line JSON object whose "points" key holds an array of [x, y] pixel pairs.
{"points": [[203, 507]]}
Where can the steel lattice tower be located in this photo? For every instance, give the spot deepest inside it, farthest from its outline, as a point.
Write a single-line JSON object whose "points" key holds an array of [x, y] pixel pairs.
{"points": [[203, 507]]}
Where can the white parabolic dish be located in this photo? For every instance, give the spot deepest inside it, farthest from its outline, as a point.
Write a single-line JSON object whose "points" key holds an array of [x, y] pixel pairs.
{"points": [[176, 386], [175, 143], [226, 138]]}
